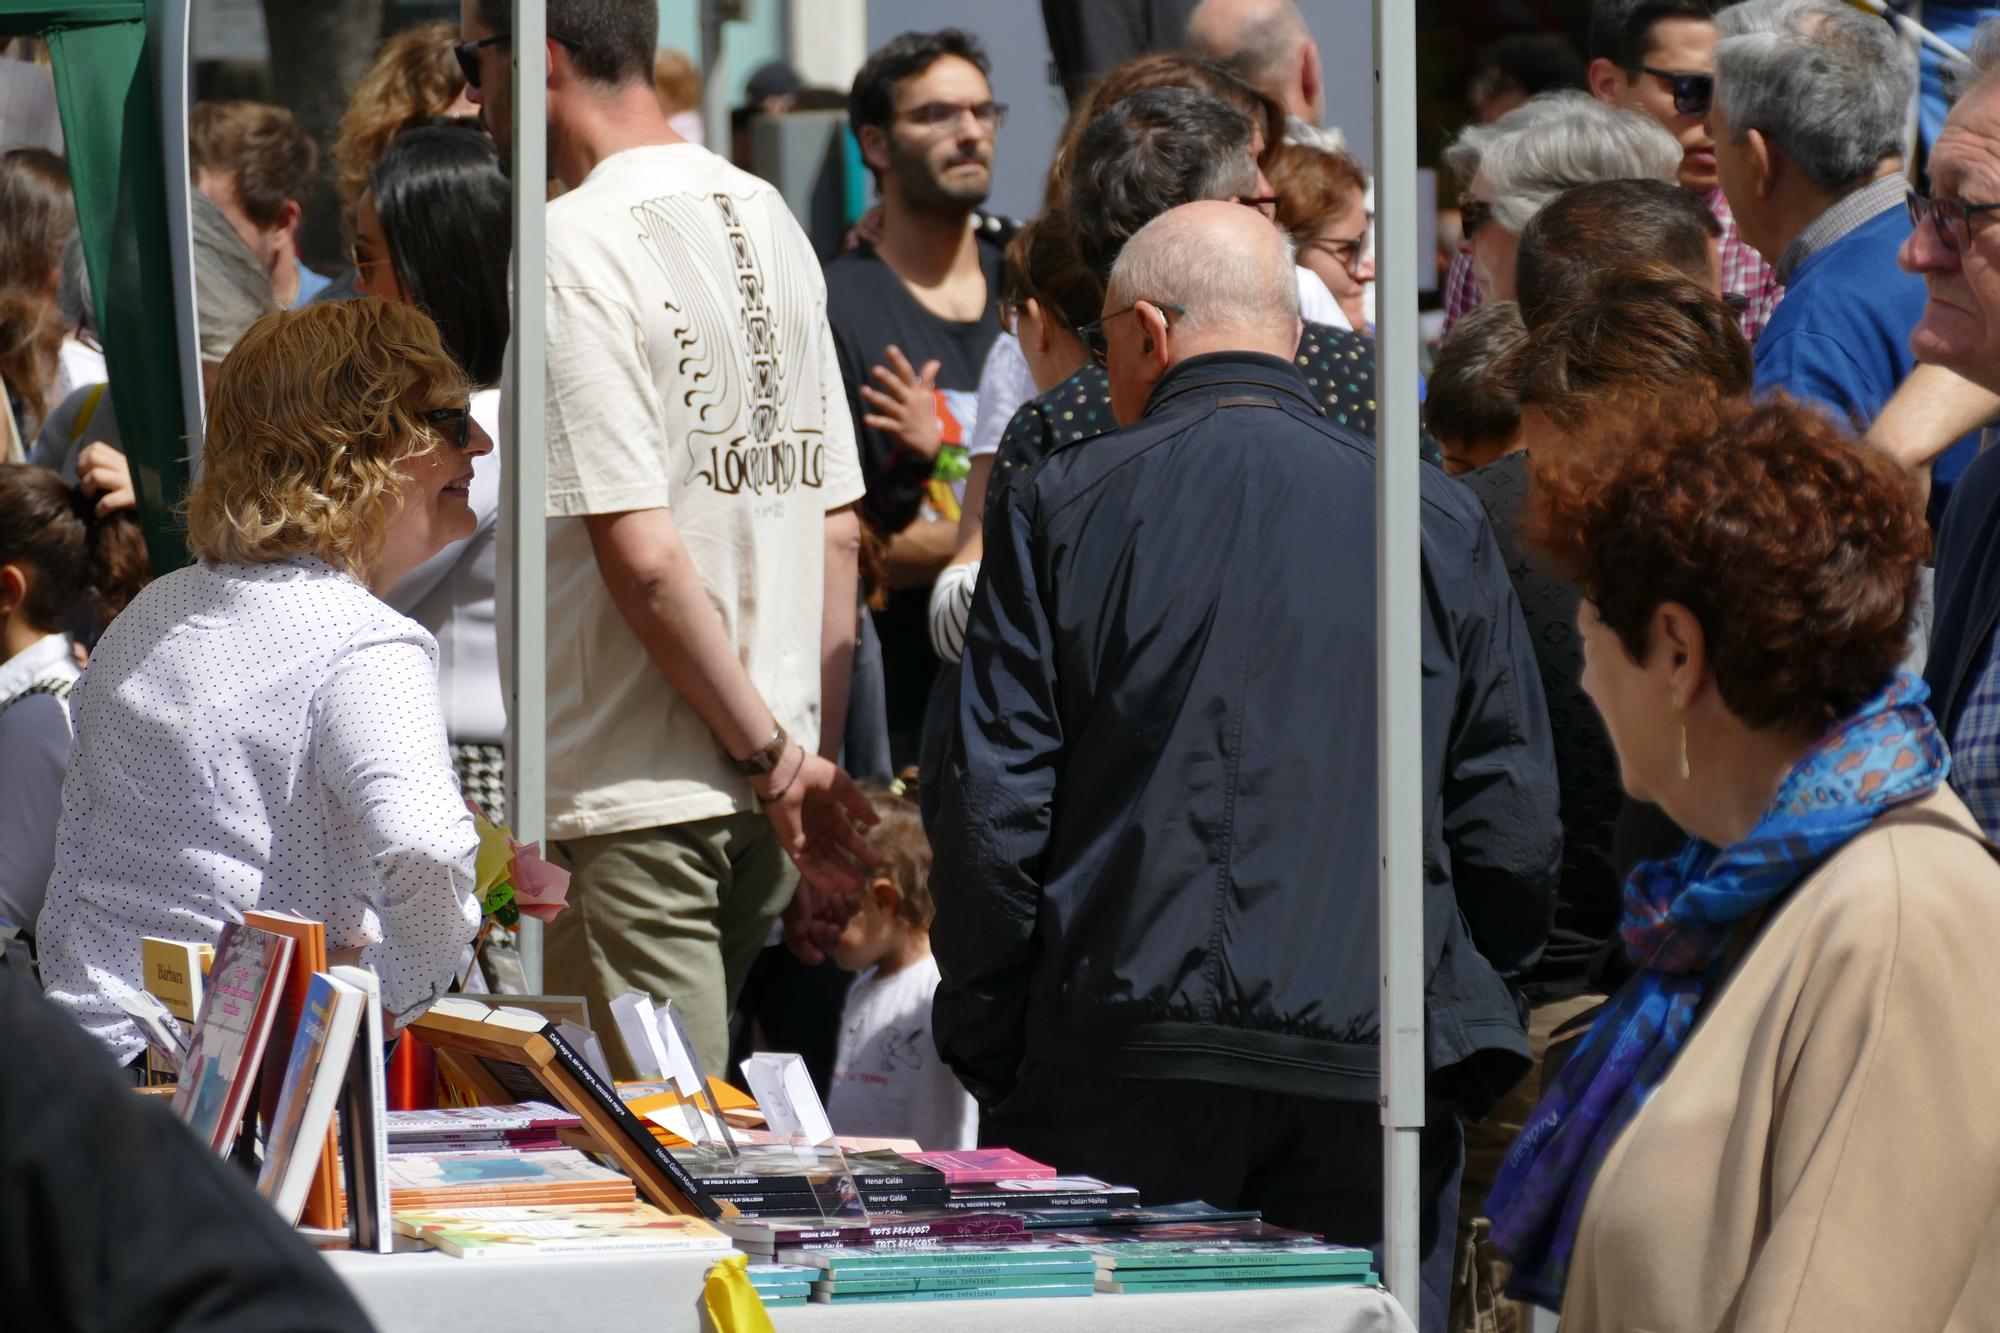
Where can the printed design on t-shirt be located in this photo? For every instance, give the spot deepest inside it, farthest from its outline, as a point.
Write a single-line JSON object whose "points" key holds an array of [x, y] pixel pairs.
{"points": [[740, 372], [902, 1049]]}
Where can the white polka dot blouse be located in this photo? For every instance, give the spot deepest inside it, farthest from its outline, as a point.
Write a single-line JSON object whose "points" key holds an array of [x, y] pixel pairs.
{"points": [[257, 736]]}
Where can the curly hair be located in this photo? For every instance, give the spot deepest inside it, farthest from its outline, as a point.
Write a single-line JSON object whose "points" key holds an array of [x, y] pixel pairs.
{"points": [[414, 79], [315, 417], [906, 854], [1796, 548]]}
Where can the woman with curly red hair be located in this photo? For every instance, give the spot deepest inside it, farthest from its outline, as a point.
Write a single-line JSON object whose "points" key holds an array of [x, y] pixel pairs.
{"points": [[1791, 1099]]}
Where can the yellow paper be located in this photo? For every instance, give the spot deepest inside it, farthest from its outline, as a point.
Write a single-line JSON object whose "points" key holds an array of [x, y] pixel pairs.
{"points": [[731, 1303], [494, 855]]}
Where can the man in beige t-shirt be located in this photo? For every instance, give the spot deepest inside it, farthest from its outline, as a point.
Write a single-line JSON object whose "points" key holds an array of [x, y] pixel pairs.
{"points": [[701, 538]]}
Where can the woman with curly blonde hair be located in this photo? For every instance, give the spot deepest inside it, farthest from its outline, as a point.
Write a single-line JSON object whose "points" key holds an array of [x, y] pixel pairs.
{"points": [[259, 730], [414, 80]]}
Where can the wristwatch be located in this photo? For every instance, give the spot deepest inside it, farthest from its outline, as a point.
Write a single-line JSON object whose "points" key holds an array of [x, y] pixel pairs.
{"points": [[765, 759]]}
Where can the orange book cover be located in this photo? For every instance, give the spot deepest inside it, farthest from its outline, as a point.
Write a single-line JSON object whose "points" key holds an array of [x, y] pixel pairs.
{"points": [[322, 1208]]}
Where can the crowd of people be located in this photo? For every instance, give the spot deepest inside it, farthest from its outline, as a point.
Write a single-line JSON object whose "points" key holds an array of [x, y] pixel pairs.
{"points": [[961, 653]]}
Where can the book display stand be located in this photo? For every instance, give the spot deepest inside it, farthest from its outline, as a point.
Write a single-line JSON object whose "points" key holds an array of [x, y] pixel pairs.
{"points": [[796, 1118], [512, 1055]]}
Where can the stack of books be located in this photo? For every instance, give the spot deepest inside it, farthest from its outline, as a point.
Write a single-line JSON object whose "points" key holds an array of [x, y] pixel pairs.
{"points": [[449, 1181], [519, 1126], [773, 1182], [862, 1275], [783, 1284], [589, 1228], [1167, 1266], [1041, 1194], [784, 1238]]}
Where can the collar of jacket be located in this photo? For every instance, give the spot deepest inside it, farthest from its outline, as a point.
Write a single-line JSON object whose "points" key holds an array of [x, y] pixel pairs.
{"points": [[1229, 374]]}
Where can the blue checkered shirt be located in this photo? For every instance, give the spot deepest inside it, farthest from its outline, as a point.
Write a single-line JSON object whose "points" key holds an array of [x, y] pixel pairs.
{"points": [[1975, 747]]}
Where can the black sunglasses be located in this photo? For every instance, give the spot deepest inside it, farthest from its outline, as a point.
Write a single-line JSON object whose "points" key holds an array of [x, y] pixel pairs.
{"points": [[1692, 92], [468, 53], [453, 425]]}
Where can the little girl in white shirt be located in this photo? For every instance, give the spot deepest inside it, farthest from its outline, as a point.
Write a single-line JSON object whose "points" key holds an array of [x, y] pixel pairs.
{"points": [[888, 1081]]}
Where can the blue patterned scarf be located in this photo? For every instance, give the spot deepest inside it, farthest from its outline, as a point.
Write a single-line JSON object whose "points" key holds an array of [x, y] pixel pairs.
{"points": [[1679, 918]]}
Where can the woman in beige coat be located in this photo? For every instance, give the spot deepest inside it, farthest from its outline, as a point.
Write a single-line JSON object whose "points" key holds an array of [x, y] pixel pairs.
{"points": [[1789, 1118]]}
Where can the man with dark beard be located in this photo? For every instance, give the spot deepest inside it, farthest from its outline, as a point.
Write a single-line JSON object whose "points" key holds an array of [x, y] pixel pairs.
{"points": [[913, 317]]}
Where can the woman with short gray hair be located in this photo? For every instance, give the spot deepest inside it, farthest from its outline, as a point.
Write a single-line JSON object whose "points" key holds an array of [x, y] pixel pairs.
{"points": [[1520, 162]]}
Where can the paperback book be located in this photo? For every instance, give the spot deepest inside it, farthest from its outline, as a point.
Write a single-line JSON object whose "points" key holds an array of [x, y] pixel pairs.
{"points": [[910, 1228], [1043, 1193], [1171, 1256], [1054, 1289], [1133, 1219], [422, 1181], [587, 1228], [1135, 1286], [963, 1260], [296, 1137], [1034, 1277], [220, 1075], [983, 1166], [364, 1115]]}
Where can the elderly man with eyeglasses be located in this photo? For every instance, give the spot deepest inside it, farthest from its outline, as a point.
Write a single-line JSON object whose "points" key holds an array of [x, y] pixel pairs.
{"points": [[1955, 247]]}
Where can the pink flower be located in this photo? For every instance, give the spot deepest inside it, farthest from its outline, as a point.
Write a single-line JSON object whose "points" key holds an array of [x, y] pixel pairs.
{"points": [[541, 890]]}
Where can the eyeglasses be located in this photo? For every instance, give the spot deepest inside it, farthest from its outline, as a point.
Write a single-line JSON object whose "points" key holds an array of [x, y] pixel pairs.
{"points": [[935, 116], [468, 53], [1692, 92], [1092, 333], [1951, 217], [1267, 204], [1009, 313], [1472, 215], [362, 265], [453, 425], [1350, 254]]}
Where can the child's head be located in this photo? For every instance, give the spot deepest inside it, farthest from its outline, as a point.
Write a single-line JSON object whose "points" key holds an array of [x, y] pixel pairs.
{"points": [[1472, 406], [897, 902]]}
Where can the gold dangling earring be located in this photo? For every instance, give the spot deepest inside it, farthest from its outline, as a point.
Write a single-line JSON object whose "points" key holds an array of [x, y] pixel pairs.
{"points": [[1686, 772]]}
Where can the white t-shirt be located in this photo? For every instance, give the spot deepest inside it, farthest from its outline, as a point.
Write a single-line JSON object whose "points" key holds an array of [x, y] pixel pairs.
{"points": [[888, 1080], [451, 595], [690, 369], [1005, 382]]}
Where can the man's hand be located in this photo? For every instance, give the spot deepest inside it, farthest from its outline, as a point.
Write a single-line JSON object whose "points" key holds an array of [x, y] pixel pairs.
{"points": [[814, 816], [906, 404], [103, 472]]}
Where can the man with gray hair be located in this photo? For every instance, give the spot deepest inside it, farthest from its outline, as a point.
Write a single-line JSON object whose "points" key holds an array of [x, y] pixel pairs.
{"points": [[1810, 102], [1268, 43], [1155, 847]]}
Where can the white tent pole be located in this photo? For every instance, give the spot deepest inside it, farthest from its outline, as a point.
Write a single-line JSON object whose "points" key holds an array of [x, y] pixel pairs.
{"points": [[524, 469], [1399, 670]]}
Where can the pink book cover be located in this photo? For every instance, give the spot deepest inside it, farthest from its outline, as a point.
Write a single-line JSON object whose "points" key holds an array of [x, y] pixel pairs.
{"points": [[984, 1166]]}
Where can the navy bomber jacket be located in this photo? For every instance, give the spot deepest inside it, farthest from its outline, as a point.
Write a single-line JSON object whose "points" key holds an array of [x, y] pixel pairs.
{"points": [[1155, 842]]}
